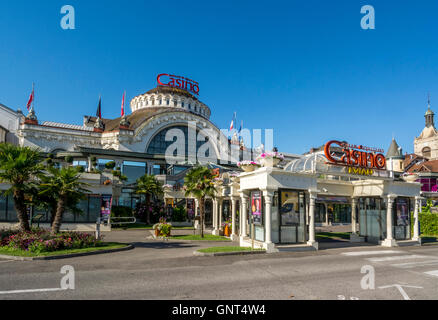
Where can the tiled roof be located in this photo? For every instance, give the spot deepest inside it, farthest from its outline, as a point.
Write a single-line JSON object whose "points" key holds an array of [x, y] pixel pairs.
{"points": [[65, 126], [427, 166]]}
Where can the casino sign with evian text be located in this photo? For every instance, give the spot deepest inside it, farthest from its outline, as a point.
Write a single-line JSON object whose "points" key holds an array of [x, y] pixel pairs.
{"points": [[358, 159]]}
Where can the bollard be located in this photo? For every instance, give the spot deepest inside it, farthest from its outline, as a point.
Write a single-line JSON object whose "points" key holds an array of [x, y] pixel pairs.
{"points": [[98, 229]]}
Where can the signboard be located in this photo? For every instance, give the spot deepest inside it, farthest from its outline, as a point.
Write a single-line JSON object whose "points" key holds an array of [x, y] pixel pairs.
{"points": [[191, 208], [256, 207], [170, 80], [358, 159], [105, 207]]}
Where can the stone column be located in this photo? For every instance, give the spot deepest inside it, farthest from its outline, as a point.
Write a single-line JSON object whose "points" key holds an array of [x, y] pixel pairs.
{"points": [[353, 215], [215, 218], [233, 218], [220, 215], [389, 241], [416, 235], [312, 240], [244, 215], [268, 216]]}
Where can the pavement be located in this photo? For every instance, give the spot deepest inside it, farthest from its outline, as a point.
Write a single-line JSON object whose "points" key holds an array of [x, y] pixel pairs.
{"points": [[168, 270]]}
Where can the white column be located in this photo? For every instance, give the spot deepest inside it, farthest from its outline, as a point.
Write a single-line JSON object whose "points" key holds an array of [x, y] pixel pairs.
{"points": [[221, 202], [244, 215], [268, 216], [312, 240], [233, 218], [416, 235], [389, 241], [353, 215], [215, 218]]}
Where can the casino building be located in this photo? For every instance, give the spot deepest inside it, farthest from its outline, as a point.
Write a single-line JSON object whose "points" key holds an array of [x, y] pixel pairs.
{"points": [[274, 205]]}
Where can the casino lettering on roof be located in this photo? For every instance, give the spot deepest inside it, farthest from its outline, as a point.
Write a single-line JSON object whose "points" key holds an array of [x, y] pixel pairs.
{"points": [[272, 199]]}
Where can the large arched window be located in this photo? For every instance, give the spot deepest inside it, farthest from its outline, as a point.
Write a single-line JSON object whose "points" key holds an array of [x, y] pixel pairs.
{"points": [[426, 152], [159, 144]]}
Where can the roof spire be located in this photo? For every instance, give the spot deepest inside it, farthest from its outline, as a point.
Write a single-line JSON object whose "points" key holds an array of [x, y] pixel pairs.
{"points": [[429, 114]]}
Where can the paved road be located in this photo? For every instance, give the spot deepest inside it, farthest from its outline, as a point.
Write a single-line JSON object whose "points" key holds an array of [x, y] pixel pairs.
{"points": [[168, 270]]}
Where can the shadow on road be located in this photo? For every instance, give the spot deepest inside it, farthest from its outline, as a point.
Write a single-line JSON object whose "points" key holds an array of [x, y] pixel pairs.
{"points": [[162, 245]]}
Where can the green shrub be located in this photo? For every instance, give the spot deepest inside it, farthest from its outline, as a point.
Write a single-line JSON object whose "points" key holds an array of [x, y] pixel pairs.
{"points": [[68, 159], [428, 223], [110, 165], [121, 211], [116, 173], [179, 214]]}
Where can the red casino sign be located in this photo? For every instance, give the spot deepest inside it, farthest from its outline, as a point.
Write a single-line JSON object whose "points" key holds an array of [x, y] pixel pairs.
{"points": [[358, 159], [170, 80]]}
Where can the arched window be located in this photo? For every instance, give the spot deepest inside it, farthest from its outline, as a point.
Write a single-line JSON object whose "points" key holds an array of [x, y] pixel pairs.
{"points": [[159, 144], [426, 152]]}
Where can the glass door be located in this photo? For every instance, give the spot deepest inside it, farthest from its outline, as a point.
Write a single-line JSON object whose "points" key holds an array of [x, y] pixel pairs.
{"points": [[292, 216]]}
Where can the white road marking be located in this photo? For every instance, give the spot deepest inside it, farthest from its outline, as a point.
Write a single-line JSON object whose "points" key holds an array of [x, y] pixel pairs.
{"points": [[393, 258], [368, 253], [432, 273], [32, 290], [414, 264], [4, 261], [400, 288]]}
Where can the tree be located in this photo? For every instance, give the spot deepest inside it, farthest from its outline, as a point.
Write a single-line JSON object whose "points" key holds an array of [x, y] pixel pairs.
{"points": [[18, 167], [199, 183], [149, 186], [64, 186]]}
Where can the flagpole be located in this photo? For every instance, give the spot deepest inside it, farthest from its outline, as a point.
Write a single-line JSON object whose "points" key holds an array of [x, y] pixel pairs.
{"points": [[33, 93]]}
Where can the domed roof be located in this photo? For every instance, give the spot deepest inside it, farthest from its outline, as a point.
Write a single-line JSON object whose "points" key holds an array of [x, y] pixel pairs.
{"points": [[429, 112]]}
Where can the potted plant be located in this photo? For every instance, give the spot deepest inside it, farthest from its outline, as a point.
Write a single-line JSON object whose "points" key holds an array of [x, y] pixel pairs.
{"points": [[227, 228], [162, 228], [270, 159], [248, 166], [410, 177]]}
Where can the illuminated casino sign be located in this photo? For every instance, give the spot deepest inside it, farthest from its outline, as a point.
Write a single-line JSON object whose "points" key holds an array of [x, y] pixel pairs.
{"points": [[358, 159], [169, 80]]}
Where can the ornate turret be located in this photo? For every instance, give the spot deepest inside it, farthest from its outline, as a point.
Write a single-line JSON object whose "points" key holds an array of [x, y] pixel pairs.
{"points": [[395, 157], [429, 115]]}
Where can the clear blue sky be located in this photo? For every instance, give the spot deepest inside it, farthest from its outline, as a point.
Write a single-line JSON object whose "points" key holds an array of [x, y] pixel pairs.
{"points": [[304, 68]]}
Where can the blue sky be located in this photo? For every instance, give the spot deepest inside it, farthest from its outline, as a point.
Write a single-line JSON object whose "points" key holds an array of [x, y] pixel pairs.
{"points": [[304, 68]]}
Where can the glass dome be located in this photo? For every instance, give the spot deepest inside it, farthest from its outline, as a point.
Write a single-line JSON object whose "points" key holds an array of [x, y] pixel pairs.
{"points": [[316, 163]]}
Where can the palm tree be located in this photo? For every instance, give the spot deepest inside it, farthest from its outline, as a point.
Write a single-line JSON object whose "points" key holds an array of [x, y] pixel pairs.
{"points": [[149, 186], [199, 183], [64, 185], [18, 167]]}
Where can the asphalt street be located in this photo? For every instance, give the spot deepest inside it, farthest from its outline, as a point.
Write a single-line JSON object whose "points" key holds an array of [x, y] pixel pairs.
{"points": [[168, 270]]}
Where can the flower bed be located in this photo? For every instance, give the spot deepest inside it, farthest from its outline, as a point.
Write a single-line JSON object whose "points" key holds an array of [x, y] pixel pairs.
{"points": [[40, 241]]}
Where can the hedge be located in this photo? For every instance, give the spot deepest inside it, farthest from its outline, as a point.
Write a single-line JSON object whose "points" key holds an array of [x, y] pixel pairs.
{"points": [[428, 223]]}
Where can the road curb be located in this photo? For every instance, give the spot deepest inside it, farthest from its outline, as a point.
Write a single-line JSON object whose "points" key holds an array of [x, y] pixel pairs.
{"points": [[66, 256], [232, 253]]}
